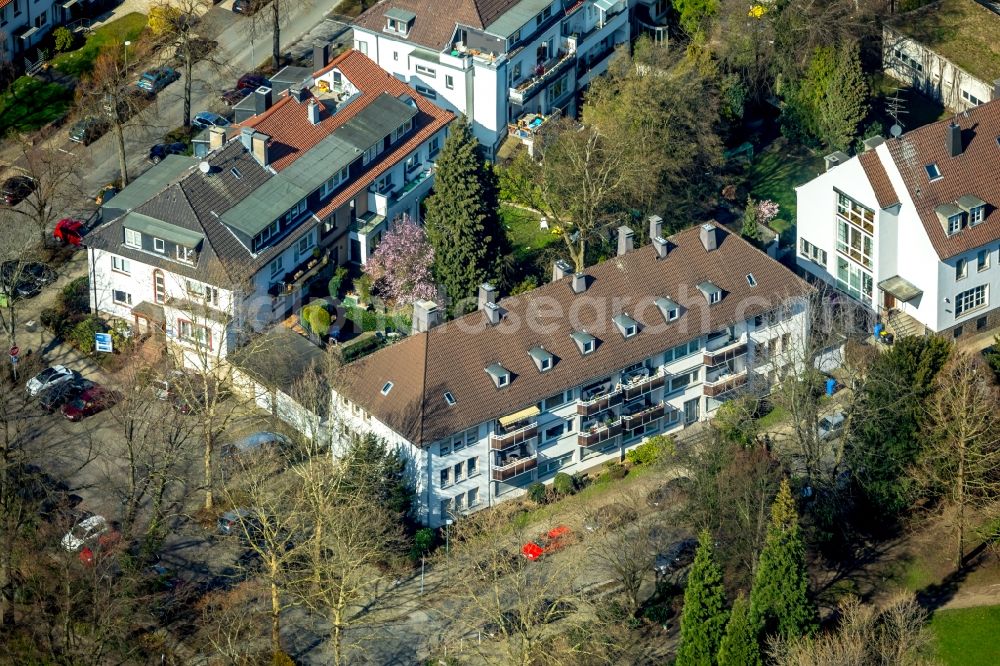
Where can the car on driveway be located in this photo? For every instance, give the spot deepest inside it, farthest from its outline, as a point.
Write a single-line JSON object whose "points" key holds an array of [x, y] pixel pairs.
{"points": [[251, 81], [17, 188], [69, 231], [255, 443], [25, 279], [157, 79], [161, 150], [88, 130], [676, 557], [48, 378], [87, 530], [554, 539], [830, 426], [207, 119], [95, 399], [58, 395]]}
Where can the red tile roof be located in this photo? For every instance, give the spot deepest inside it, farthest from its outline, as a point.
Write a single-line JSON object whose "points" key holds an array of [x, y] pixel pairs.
{"points": [[453, 357], [885, 193], [435, 24], [976, 171]]}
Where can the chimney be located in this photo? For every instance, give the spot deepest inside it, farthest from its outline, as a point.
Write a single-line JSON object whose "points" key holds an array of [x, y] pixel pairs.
{"points": [[561, 269], [246, 134], [261, 100], [487, 294], [579, 283], [708, 237], [313, 110], [655, 226], [425, 316], [492, 311], [321, 55], [835, 158], [261, 151], [216, 137], [953, 139], [873, 142], [625, 240], [660, 245], [298, 93]]}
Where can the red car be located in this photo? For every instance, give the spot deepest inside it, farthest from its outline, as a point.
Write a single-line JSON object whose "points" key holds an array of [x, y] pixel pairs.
{"points": [[252, 81], [69, 231], [553, 540], [91, 401]]}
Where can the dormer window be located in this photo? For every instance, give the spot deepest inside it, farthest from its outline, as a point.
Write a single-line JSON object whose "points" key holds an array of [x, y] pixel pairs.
{"points": [[185, 254], [933, 173], [499, 374], [386, 388], [585, 342], [626, 325], [669, 309], [955, 223], [399, 21], [449, 398], [712, 293], [951, 217], [542, 358], [974, 207], [977, 215]]}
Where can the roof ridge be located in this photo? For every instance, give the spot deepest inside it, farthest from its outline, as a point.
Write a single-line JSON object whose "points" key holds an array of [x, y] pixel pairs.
{"points": [[423, 385], [208, 236]]}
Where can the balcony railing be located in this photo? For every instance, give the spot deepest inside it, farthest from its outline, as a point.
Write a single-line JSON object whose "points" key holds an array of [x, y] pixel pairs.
{"points": [[510, 468], [301, 273], [643, 416], [530, 124], [600, 435], [599, 403], [725, 354], [522, 435], [412, 184], [725, 383], [638, 385], [544, 73]]}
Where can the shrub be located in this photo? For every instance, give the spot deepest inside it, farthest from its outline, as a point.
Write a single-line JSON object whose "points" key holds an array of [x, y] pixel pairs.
{"points": [[363, 285], [424, 540], [650, 451], [337, 282], [615, 471], [362, 347], [75, 296], [65, 40], [282, 659], [81, 336], [563, 484], [537, 492]]}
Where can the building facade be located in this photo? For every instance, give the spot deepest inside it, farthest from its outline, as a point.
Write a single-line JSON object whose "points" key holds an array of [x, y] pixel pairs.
{"points": [[24, 23], [910, 228], [206, 251], [509, 66], [575, 373]]}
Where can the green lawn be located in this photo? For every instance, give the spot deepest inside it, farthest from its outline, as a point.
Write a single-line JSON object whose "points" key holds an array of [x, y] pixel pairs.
{"points": [[524, 233], [776, 172], [968, 636], [30, 104], [110, 35]]}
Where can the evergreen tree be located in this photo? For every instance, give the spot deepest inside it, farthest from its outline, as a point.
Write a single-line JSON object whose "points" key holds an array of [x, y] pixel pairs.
{"points": [[845, 102], [463, 220], [779, 598], [739, 645], [704, 617]]}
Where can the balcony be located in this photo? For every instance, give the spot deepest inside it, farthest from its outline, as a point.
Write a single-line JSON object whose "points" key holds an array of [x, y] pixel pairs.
{"points": [[543, 74], [423, 172], [724, 383], [530, 124], [599, 434], [641, 413], [513, 464], [725, 354], [517, 434], [302, 273], [641, 381]]}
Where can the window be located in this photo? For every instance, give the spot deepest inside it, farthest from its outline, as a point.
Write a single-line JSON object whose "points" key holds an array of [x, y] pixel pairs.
{"points": [[411, 163], [714, 297], [434, 147], [855, 229], [957, 333], [363, 47], [546, 13], [811, 252], [961, 269], [425, 91], [471, 467], [971, 99], [970, 299], [449, 81], [370, 154], [395, 54], [17, 7], [236, 173], [200, 335], [276, 266], [459, 501], [588, 346], [336, 181], [473, 497], [386, 388], [40, 20], [976, 215], [854, 280], [981, 324], [553, 432], [955, 223], [933, 172], [133, 238], [302, 247], [426, 71], [446, 477], [401, 131], [751, 280], [503, 380], [159, 245], [545, 364], [295, 211], [185, 254], [159, 287], [265, 235], [383, 184], [449, 398], [445, 447], [556, 401], [390, 24], [121, 265], [681, 351], [559, 88], [556, 463], [121, 297], [203, 291], [983, 260], [680, 382], [459, 470]]}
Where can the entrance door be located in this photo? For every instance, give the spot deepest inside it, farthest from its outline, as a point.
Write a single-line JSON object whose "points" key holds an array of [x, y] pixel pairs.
{"points": [[691, 410], [890, 300]]}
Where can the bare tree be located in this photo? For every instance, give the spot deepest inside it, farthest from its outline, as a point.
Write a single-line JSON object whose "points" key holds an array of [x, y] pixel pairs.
{"points": [[178, 27], [19, 245], [271, 16]]}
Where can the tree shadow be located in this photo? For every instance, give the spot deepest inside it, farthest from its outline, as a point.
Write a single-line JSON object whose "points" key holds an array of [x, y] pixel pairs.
{"points": [[933, 597]]}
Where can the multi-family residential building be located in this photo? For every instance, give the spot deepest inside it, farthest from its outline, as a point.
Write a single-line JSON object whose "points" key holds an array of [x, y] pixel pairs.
{"points": [[24, 23], [911, 227], [948, 50], [576, 372], [195, 248], [508, 65]]}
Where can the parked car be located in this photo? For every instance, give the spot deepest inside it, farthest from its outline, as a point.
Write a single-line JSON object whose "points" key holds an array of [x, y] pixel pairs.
{"points": [[255, 443], [48, 378], [234, 96], [17, 188], [87, 530], [88, 130], [93, 400], [69, 231], [25, 279], [246, 7], [676, 557], [251, 81], [830, 427], [58, 395], [610, 517], [232, 522], [161, 150], [553, 540], [207, 119], [157, 79]]}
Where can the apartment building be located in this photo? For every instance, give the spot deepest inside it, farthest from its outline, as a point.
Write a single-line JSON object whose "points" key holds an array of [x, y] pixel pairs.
{"points": [[576, 372], [911, 227], [203, 249], [508, 65], [24, 23]]}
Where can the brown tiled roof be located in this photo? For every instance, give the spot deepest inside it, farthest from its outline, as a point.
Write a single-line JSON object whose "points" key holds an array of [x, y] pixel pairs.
{"points": [[435, 24], [885, 193], [453, 357], [976, 171]]}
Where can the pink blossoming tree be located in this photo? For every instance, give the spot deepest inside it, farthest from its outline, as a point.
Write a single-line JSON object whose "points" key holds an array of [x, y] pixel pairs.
{"points": [[400, 267]]}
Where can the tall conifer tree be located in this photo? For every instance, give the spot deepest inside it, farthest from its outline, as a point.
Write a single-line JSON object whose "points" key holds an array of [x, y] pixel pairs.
{"points": [[739, 645], [703, 620]]}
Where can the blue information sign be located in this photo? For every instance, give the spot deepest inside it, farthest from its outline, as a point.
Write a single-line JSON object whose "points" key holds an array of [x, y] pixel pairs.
{"points": [[102, 342]]}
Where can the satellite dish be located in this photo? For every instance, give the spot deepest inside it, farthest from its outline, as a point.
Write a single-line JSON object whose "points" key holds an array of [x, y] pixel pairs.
{"points": [[896, 130], [204, 167]]}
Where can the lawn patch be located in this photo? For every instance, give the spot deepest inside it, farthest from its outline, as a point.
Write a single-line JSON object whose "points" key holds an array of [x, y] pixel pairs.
{"points": [[30, 104], [523, 231], [110, 35], [967, 636], [777, 170]]}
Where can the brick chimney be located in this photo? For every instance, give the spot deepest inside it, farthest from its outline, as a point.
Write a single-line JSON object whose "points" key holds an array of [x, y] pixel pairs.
{"points": [[425, 316], [626, 241], [953, 139]]}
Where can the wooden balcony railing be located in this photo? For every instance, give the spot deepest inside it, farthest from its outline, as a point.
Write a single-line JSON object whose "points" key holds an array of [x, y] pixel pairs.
{"points": [[600, 435], [515, 468], [523, 435], [725, 384]]}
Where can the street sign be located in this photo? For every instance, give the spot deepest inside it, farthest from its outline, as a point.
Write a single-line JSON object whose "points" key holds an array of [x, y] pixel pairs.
{"points": [[15, 350], [102, 342]]}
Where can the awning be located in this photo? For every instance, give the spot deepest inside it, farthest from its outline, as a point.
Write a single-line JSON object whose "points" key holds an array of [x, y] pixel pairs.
{"points": [[150, 311], [27, 33], [505, 421], [68, 4], [605, 5], [903, 290]]}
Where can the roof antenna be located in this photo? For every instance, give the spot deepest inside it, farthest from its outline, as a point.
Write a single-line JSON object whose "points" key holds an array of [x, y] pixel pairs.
{"points": [[894, 109]]}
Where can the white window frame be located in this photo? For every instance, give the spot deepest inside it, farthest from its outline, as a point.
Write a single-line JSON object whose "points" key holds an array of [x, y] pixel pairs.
{"points": [[370, 154], [472, 498], [304, 244], [971, 300], [449, 81], [277, 265], [126, 297], [472, 467], [429, 93], [121, 265], [185, 254], [983, 260], [188, 331], [133, 238], [424, 70], [714, 297], [961, 269], [977, 215], [334, 182], [955, 223], [159, 245]]}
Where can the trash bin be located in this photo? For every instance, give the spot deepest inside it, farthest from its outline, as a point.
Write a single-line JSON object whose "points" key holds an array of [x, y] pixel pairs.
{"points": [[831, 385], [878, 331]]}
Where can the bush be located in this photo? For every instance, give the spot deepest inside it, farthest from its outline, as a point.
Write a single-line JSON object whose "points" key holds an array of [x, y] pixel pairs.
{"points": [[75, 296], [424, 540], [537, 492], [650, 451], [563, 484], [316, 319], [81, 335], [362, 347], [282, 659], [337, 282], [614, 472], [65, 40]]}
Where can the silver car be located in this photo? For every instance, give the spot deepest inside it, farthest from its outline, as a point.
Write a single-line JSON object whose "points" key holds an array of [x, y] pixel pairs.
{"points": [[48, 378]]}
